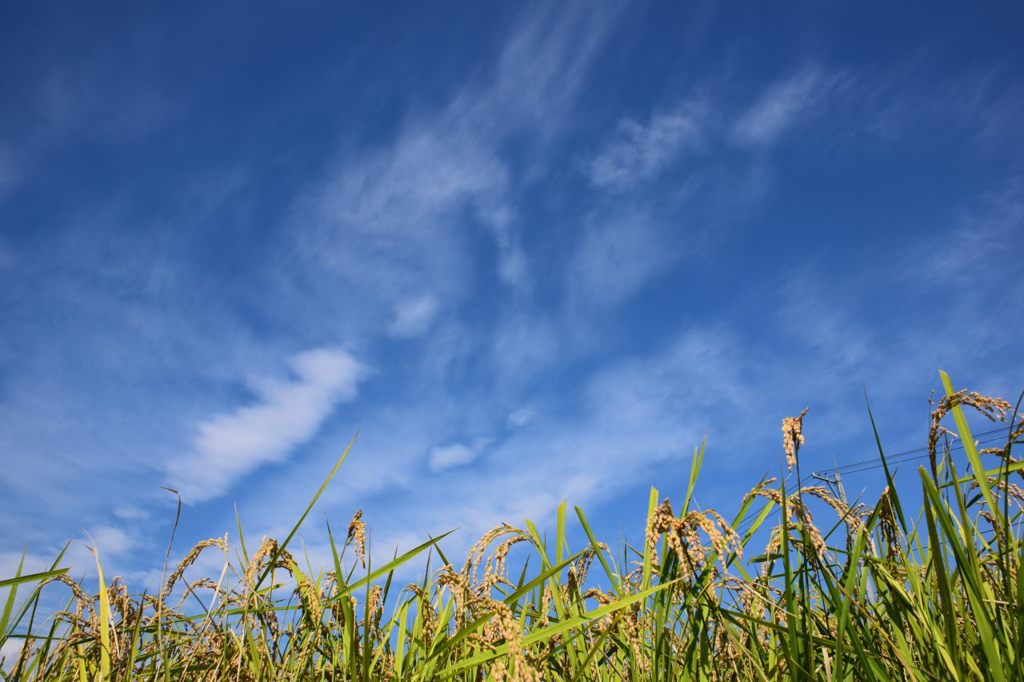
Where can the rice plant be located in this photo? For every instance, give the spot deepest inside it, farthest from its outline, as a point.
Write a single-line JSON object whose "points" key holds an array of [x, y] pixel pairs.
{"points": [[798, 584]]}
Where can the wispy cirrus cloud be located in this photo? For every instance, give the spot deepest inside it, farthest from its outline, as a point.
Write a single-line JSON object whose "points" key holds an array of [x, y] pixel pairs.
{"points": [[230, 446], [781, 105], [455, 454], [982, 234], [619, 253], [522, 416], [413, 316], [404, 211], [639, 151]]}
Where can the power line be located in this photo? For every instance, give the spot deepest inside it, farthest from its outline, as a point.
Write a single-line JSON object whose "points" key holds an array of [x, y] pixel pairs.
{"points": [[875, 463], [903, 456]]}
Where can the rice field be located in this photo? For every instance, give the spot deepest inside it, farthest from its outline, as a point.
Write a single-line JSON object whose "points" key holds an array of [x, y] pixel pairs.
{"points": [[794, 583]]}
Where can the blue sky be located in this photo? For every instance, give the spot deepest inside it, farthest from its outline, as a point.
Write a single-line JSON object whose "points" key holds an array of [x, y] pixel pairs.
{"points": [[528, 252]]}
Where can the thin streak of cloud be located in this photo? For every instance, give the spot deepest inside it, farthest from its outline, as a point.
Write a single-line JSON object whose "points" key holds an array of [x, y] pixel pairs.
{"points": [[413, 316], [780, 106], [618, 255], [229, 446], [454, 455], [641, 150], [401, 213], [521, 417]]}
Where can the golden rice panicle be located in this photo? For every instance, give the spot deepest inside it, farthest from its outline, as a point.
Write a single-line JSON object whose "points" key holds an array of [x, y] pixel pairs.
{"points": [[338, 609], [765, 490], [662, 522], [581, 566], [477, 551], [190, 559], [793, 437], [887, 525], [375, 607], [1018, 433], [1011, 490], [308, 595], [682, 537], [814, 533], [268, 549], [847, 515], [426, 611], [458, 586], [357, 536], [730, 538], [993, 409], [83, 602], [503, 625], [798, 511], [27, 649]]}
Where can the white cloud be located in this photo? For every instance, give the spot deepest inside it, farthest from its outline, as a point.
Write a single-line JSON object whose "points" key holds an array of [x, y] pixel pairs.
{"points": [[229, 446], [394, 216], [640, 151], [522, 417], [388, 221], [448, 456], [780, 106], [512, 264], [130, 512], [113, 544], [619, 254], [545, 62], [413, 316], [110, 540], [984, 234], [456, 454], [524, 346]]}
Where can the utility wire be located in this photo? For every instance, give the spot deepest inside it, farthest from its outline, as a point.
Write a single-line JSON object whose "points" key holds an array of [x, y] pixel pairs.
{"points": [[993, 435], [903, 456]]}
